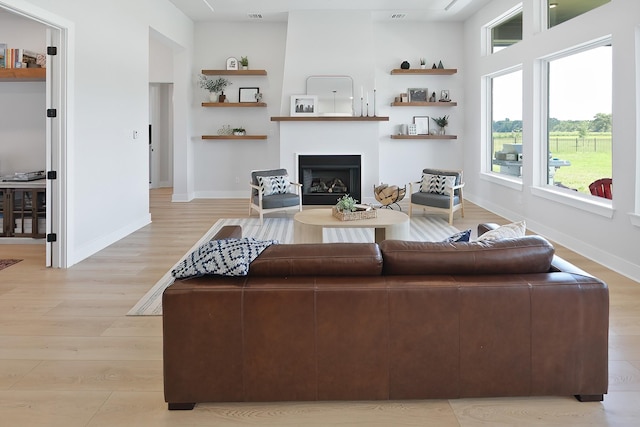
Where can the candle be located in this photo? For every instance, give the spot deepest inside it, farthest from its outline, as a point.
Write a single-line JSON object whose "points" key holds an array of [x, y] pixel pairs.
{"points": [[367, 97], [361, 92]]}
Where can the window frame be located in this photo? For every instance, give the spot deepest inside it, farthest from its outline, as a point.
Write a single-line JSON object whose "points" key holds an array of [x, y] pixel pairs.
{"points": [[541, 186], [487, 146], [487, 45]]}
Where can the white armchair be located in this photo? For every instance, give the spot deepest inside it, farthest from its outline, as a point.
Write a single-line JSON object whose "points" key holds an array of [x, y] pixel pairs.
{"points": [[272, 191], [439, 191]]}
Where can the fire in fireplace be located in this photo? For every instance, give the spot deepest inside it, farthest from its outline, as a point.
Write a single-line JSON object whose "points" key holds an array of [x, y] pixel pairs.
{"points": [[326, 178]]}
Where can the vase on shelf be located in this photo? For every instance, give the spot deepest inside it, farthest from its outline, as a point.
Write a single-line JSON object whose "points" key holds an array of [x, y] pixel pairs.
{"points": [[222, 97], [441, 130], [213, 97]]}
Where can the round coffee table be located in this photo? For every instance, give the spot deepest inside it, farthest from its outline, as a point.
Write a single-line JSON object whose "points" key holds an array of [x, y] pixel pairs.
{"points": [[309, 223]]}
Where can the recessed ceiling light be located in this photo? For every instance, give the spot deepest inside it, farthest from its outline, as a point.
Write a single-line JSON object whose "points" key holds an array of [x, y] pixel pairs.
{"points": [[254, 15], [398, 16]]}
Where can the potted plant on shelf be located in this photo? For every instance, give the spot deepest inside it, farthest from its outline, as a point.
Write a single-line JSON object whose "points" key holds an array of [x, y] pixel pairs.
{"points": [[240, 131], [442, 122], [244, 61], [216, 86], [423, 63]]}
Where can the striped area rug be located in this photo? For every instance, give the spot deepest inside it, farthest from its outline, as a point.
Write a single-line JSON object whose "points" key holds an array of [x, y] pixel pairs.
{"points": [[423, 228]]}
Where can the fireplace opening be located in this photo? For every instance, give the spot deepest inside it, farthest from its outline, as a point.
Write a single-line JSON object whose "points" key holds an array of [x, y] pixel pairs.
{"points": [[326, 178]]}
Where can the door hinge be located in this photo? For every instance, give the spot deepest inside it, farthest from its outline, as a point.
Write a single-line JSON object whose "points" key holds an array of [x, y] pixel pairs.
{"points": [[52, 50], [52, 237], [52, 175], [52, 112]]}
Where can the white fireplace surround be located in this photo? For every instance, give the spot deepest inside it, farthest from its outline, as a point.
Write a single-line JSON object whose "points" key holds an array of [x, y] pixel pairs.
{"points": [[317, 138]]}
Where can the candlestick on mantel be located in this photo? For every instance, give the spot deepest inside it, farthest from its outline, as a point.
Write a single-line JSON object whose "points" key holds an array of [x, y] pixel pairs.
{"points": [[361, 106], [374, 102]]}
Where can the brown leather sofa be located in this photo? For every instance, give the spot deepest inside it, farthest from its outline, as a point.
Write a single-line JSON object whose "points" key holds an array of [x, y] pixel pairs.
{"points": [[399, 320]]}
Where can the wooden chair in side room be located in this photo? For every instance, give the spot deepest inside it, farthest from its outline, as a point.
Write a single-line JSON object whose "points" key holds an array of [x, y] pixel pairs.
{"points": [[439, 191], [272, 191], [602, 188]]}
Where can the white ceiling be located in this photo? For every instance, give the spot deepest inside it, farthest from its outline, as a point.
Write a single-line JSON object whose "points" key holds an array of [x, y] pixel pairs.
{"points": [[277, 10]]}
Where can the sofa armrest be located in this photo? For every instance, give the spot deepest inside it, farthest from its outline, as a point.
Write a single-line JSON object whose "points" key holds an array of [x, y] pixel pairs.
{"points": [[228, 232]]}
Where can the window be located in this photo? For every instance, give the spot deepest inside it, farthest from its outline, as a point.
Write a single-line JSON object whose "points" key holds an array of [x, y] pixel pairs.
{"points": [[506, 123], [579, 143], [563, 10], [507, 30]]}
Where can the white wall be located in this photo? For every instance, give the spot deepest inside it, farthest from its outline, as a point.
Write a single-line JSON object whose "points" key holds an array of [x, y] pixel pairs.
{"points": [[108, 83], [608, 237], [221, 167], [22, 104], [355, 46]]}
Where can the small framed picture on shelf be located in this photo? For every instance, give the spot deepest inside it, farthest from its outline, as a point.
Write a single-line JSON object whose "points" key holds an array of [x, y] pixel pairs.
{"points": [[422, 124], [418, 94], [232, 63], [248, 94], [444, 96], [304, 105]]}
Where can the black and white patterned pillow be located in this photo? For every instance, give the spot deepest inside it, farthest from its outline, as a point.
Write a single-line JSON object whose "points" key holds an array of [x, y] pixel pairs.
{"points": [[437, 184], [461, 236], [227, 257], [273, 184]]}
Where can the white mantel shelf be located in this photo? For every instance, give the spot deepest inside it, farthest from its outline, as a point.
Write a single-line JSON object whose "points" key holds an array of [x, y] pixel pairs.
{"points": [[329, 119]]}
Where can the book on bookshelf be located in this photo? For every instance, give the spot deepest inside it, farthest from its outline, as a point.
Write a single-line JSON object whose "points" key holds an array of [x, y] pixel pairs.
{"points": [[3, 48]]}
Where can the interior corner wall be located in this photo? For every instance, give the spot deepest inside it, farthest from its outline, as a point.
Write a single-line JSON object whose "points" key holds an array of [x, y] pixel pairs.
{"points": [[608, 240]]}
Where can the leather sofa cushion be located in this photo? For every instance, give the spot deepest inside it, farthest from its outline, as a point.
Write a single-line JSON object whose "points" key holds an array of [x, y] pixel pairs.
{"points": [[523, 255], [324, 259]]}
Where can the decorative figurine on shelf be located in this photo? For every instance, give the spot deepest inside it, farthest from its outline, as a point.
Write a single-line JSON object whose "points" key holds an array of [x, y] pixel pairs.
{"points": [[440, 66], [434, 66], [405, 65], [432, 98], [225, 130]]}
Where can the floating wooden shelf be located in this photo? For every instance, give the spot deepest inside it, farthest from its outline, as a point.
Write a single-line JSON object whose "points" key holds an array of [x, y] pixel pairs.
{"points": [[234, 104], [424, 137], [431, 71], [424, 104], [234, 137], [23, 74], [329, 119], [235, 72]]}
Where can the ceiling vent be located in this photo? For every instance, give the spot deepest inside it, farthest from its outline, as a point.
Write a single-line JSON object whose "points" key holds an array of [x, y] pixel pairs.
{"points": [[254, 15], [398, 15]]}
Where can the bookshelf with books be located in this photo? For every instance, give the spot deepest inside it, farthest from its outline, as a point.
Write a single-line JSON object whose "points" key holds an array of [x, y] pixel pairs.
{"points": [[21, 64]]}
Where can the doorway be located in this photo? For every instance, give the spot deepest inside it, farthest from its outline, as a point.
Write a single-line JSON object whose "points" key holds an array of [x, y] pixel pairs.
{"points": [[160, 135], [53, 132]]}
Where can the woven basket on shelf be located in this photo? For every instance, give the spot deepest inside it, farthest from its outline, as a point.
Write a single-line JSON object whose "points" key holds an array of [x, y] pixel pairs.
{"points": [[352, 216]]}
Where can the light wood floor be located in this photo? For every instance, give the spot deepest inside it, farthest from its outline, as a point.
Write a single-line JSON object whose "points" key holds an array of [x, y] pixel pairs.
{"points": [[69, 355]]}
